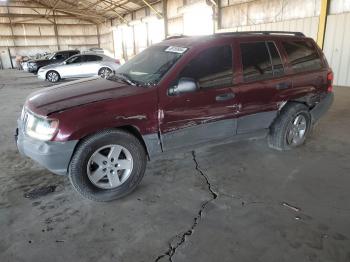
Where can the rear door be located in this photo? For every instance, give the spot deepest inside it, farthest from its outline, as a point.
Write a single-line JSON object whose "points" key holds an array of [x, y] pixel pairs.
{"points": [[91, 65], [262, 82], [204, 115]]}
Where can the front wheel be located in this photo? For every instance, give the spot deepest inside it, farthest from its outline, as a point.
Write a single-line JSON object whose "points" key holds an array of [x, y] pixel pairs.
{"points": [[107, 165], [291, 127], [104, 72], [52, 76]]}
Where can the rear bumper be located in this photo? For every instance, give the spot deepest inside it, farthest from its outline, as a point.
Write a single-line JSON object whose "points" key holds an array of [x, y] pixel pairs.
{"points": [[54, 156], [322, 107]]}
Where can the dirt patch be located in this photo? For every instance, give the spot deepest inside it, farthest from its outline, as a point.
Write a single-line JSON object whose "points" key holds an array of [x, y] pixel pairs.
{"points": [[39, 192]]}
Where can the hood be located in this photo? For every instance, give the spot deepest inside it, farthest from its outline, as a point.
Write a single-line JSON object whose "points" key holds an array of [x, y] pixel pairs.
{"points": [[50, 66], [39, 60], [75, 93]]}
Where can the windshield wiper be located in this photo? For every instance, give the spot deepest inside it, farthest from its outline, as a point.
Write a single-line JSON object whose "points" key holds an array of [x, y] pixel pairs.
{"points": [[124, 78]]}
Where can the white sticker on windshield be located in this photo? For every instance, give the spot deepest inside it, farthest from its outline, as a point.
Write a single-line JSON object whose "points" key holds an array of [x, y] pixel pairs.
{"points": [[176, 49]]}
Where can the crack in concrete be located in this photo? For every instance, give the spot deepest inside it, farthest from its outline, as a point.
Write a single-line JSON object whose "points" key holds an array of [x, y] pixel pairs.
{"points": [[182, 238]]}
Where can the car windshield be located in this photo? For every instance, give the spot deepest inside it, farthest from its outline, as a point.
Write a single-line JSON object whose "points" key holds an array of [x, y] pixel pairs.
{"points": [[148, 67], [50, 56]]}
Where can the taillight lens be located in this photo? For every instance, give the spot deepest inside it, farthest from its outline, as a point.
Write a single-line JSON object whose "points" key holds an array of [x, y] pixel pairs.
{"points": [[117, 61], [330, 78]]}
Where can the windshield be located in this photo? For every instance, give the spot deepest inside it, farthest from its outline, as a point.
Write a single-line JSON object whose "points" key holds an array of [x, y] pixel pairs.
{"points": [[148, 67], [50, 56]]}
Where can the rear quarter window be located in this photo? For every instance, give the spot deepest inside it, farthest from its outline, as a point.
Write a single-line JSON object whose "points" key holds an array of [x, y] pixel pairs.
{"points": [[302, 56]]}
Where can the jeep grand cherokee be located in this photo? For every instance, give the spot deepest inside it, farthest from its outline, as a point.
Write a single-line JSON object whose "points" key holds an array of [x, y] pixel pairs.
{"points": [[180, 93]]}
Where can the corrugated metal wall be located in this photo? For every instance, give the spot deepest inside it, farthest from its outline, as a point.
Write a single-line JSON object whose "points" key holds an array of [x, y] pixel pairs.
{"points": [[337, 47], [32, 36], [144, 28], [309, 26], [237, 13], [106, 38]]}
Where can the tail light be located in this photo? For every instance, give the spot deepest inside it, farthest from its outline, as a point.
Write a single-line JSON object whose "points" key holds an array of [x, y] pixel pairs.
{"points": [[330, 78], [117, 61]]}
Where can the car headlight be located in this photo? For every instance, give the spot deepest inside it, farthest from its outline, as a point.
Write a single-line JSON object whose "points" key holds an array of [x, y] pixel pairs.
{"points": [[39, 127]]}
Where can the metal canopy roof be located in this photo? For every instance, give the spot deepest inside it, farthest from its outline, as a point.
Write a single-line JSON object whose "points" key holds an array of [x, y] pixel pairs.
{"points": [[95, 11]]}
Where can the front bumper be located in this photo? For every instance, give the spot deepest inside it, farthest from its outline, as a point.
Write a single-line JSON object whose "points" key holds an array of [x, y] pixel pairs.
{"points": [[42, 75], [54, 156], [32, 69], [322, 107]]}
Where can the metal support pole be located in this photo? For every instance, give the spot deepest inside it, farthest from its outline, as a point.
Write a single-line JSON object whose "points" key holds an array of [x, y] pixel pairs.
{"points": [[219, 15], [165, 18], [322, 22], [56, 31], [98, 36], [150, 6]]}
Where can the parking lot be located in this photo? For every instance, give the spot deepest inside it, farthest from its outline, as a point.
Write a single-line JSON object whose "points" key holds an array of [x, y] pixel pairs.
{"points": [[235, 202]]}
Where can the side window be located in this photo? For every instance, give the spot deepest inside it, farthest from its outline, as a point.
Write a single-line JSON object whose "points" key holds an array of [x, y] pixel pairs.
{"points": [[74, 60], [256, 61], [65, 55], [302, 55], [91, 58], [59, 57], [211, 68], [277, 65]]}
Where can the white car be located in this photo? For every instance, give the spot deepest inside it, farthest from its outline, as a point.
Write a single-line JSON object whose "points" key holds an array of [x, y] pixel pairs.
{"points": [[82, 65]]}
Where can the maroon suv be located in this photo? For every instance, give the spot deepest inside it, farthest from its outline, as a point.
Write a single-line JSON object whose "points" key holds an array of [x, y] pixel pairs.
{"points": [[180, 93]]}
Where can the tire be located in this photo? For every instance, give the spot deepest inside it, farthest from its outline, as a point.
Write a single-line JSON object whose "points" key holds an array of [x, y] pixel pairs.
{"points": [[286, 132], [104, 72], [84, 174], [53, 76]]}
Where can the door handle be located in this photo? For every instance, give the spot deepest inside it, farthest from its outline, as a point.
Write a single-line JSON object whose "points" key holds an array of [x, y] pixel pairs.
{"points": [[224, 97], [282, 85]]}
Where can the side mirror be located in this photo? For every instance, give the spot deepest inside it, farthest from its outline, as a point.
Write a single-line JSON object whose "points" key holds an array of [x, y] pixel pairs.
{"points": [[185, 85]]}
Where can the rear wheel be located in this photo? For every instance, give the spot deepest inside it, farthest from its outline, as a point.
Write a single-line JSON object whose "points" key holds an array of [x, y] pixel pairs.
{"points": [[104, 72], [108, 165], [52, 76], [291, 127]]}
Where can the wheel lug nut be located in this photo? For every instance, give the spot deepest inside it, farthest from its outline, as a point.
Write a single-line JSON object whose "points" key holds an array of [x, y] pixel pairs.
{"points": [[104, 162]]}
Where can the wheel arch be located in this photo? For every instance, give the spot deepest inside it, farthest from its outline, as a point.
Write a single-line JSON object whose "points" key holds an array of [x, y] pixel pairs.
{"points": [[53, 70], [133, 130], [104, 66]]}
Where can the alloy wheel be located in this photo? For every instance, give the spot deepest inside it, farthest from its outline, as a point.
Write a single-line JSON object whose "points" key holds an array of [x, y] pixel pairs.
{"points": [[105, 72], [52, 77], [110, 166], [297, 130]]}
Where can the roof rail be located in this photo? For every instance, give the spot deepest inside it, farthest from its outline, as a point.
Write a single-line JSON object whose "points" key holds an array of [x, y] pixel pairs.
{"points": [[263, 33], [175, 37]]}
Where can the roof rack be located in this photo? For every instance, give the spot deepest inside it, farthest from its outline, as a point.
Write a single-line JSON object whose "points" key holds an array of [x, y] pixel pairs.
{"points": [[263, 33]]}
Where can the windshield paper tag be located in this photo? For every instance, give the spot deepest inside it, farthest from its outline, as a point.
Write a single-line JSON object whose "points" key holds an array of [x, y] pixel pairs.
{"points": [[176, 49]]}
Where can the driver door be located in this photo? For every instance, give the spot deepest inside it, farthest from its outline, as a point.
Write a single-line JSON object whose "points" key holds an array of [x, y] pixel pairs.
{"points": [[206, 114], [72, 68]]}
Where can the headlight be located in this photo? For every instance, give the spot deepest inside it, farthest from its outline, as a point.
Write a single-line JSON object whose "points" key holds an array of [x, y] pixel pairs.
{"points": [[40, 128]]}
